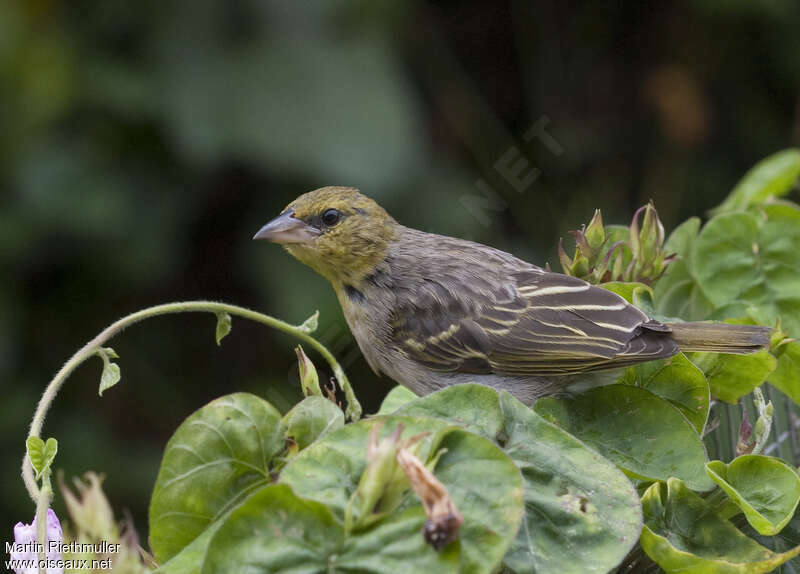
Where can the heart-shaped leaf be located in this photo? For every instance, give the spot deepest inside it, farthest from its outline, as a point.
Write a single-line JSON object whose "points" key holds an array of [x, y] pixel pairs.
{"points": [[679, 381], [753, 257], [482, 481], [41, 453], [642, 433], [682, 533], [277, 531], [218, 456], [765, 488], [575, 521]]}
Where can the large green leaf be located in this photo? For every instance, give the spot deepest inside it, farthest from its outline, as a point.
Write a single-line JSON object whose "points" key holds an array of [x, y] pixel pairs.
{"points": [[582, 514], [275, 531], [190, 559], [677, 293], [679, 381], [278, 531], [786, 375], [765, 488], [754, 258], [733, 376], [482, 481], [773, 176], [682, 533], [642, 433], [219, 455]]}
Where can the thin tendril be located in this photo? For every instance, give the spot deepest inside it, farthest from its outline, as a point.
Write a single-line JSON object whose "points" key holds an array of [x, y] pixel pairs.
{"points": [[353, 410]]}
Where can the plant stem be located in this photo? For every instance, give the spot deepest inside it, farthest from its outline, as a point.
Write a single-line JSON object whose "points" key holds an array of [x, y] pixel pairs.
{"points": [[353, 410], [42, 504]]}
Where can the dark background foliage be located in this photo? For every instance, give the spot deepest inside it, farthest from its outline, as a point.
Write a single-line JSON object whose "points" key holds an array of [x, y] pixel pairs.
{"points": [[143, 143]]}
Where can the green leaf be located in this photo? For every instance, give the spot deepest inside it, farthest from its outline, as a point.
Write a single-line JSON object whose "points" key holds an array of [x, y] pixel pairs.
{"points": [[765, 488], [310, 325], [395, 399], [786, 375], [677, 293], [110, 377], [773, 176], [642, 433], [682, 533], [41, 453], [582, 514], [311, 419], [753, 258], [223, 326], [733, 376], [218, 455], [487, 489], [482, 481], [191, 558], [679, 381], [625, 290], [277, 531], [111, 374], [787, 539]]}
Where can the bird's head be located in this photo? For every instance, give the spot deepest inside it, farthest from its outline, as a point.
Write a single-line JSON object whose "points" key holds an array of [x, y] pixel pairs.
{"points": [[337, 231]]}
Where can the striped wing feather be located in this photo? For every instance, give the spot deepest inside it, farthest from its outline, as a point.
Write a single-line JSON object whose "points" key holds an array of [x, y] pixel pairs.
{"points": [[536, 323]]}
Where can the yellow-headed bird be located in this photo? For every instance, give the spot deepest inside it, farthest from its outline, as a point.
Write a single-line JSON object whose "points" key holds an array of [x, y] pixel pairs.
{"points": [[431, 311]]}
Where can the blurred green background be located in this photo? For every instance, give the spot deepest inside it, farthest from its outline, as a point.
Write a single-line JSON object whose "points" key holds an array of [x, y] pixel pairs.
{"points": [[143, 143]]}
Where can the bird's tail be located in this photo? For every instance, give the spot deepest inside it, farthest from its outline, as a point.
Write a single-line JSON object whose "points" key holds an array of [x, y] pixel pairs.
{"points": [[720, 337]]}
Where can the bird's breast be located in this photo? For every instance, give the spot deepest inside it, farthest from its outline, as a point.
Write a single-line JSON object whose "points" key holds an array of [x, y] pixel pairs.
{"points": [[368, 312]]}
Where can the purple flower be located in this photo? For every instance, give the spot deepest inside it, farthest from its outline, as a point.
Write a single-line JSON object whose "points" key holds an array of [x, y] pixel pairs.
{"points": [[24, 553]]}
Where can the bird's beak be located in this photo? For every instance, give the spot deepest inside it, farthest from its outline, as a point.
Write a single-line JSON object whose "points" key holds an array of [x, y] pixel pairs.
{"points": [[286, 228]]}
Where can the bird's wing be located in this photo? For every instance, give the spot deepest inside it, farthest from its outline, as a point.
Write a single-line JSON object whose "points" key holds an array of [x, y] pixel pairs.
{"points": [[533, 323]]}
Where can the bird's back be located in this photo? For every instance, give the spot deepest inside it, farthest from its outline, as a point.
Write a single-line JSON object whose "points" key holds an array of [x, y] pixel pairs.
{"points": [[445, 310]]}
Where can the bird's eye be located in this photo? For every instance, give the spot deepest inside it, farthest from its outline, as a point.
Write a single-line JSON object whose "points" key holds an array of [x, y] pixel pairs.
{"points": [[331, 217]]}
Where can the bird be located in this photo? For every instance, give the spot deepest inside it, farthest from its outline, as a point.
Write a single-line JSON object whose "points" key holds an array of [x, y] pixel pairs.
{"points": [[430, 311]]}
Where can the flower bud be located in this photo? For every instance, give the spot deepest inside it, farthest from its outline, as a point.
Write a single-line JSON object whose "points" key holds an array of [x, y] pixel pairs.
{"points": [[309, 379], [566, 262], [366, 504], [745, 444], [444, 519], [595, 234], [90, 511]]}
